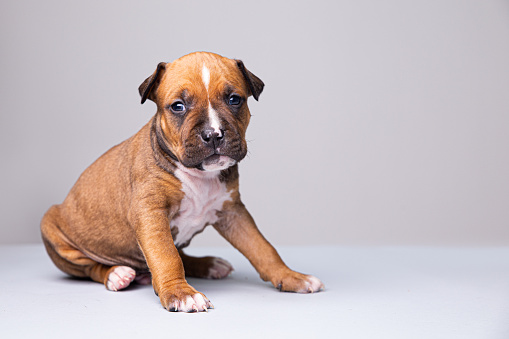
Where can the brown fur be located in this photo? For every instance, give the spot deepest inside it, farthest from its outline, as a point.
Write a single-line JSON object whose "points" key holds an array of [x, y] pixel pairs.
{"points": [[119, 210]]}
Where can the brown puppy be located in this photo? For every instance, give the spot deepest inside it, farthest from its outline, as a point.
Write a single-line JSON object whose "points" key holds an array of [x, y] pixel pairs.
{"points": [[133, 210]]}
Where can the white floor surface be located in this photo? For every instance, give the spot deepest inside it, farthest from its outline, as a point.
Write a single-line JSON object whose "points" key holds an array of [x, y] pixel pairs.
{"points": [[370, 293]]}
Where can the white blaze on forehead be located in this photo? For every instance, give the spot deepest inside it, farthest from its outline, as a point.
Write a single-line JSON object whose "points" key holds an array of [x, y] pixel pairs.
{"points": [[215, 124], [214, 120], [205, 75]]}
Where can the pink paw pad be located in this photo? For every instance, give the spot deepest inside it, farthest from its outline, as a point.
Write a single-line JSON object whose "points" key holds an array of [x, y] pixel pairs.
{"points": [[120, 278]]}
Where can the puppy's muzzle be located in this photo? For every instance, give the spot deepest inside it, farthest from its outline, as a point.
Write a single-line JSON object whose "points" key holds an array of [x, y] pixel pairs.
{"points": [[212, 139]]}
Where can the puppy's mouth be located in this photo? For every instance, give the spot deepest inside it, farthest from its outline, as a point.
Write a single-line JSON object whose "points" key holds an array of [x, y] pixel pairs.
{"points": [[217, 162]]}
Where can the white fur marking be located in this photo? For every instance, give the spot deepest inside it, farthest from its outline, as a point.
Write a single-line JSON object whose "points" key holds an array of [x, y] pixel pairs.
{"points": [[223, 163], [213, 117], [120, 278], [205, 76], [313, 284], [204, 196], [214, 120], [194, 303]]}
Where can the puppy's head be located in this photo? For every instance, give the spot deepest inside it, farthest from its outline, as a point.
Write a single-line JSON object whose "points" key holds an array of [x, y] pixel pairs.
{"points": [[202, 108]]}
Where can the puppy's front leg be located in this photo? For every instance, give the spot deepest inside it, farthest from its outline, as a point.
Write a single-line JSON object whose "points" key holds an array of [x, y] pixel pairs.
{"points": [[168, 277], [238, 227]]}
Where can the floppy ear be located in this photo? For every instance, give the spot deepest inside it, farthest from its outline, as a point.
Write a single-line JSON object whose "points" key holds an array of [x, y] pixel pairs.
{"points": [[148, 86], [255, 84]]}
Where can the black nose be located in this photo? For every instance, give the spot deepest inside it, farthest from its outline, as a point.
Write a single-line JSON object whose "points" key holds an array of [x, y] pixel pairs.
{"points": [[212, 138]]}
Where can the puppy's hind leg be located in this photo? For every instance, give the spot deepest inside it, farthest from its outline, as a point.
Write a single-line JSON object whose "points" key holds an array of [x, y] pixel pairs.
{"points": [[119, 277], [205, 267], [73, 262]]}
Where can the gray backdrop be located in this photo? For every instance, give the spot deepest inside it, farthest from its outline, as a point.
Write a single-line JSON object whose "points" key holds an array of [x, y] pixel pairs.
{"points": [[382, 122]]}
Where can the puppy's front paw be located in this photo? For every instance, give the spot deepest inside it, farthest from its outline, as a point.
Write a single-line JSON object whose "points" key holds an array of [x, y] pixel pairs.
{"points": [[184, 298], [298, 282]]}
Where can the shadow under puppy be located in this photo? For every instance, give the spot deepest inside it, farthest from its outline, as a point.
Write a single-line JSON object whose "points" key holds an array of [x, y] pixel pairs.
{"points": [[132, 211]]}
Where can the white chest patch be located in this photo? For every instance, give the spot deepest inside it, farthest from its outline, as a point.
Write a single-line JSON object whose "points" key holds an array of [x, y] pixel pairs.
{"points": [[204, 196]]}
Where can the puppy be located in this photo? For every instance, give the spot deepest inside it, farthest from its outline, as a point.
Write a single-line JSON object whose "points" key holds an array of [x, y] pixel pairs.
{"points": [[131, 212]]}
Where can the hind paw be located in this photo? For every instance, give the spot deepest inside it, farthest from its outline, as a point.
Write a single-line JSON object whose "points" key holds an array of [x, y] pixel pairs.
{"points": [[120, 277]]}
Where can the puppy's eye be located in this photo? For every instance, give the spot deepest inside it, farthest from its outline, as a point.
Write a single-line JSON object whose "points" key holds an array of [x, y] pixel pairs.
{"points": [[234, 100], [178, 107]]}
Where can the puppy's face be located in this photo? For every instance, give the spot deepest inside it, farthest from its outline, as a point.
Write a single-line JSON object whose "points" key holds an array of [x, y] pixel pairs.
{"points": [[202, 104]]}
